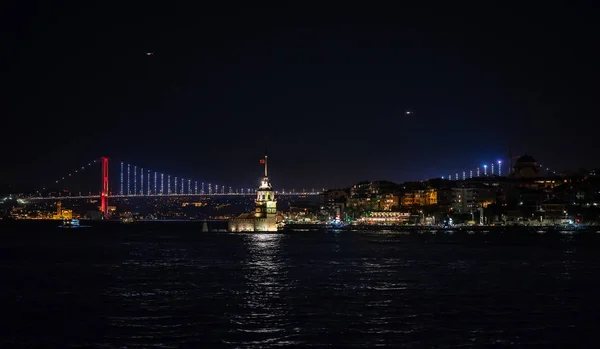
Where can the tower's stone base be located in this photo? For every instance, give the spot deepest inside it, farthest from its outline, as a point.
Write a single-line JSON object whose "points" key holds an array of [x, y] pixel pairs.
{"points": [[248, 223]]}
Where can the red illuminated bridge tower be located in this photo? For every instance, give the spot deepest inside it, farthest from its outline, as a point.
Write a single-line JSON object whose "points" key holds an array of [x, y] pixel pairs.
{"points": [[104, 192]]}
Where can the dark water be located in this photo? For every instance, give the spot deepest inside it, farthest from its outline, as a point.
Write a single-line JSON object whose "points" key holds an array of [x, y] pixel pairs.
{"points": [[171, 287]]}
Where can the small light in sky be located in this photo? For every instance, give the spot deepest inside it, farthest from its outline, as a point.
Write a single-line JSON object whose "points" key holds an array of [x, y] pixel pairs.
{"points": [[149, 53], [408, 112]]}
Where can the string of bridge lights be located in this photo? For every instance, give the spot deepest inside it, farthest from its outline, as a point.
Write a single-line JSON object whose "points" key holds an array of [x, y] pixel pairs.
{"points": [[478, 171], [79, 169], [153, 183]]}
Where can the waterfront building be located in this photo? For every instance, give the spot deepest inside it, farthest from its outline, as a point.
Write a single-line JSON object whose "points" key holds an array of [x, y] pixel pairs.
{"points": [[420, 197], [386, 217], [264, 217], [466, 199], [334, 202]]}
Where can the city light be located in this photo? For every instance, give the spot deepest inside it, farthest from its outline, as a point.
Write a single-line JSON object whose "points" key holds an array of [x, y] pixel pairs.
{"points": [[121, 192], [155, 173], [162, 184], [128, 182], [485, 170], [134, 180], [142, 181], [499, 168], [175, 186], [168, 184]]}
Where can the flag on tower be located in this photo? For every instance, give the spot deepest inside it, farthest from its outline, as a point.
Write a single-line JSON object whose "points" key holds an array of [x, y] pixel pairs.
{"points": [[262, 161]]}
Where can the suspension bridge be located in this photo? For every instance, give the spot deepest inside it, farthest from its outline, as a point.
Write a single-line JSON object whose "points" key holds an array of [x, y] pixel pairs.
{"points": [[139, 182]]}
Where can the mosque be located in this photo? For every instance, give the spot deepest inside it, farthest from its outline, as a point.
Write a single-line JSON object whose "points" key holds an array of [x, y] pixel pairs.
{"points": [[264, 217], [525, 167]]}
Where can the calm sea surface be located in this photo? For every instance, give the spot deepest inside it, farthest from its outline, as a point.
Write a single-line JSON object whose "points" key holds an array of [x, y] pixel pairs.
{"points": [[172, 286]]}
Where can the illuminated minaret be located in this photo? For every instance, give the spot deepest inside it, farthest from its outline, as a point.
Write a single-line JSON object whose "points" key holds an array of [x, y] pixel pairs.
{"points": [[464, 175], [485, 170], [189, 186], [168, 184], [477, 171], [175, 186], [134, 180], [182, 186], [196, 187], [499, 167], [202, 190], [492, 169], [148, 184], [471, 174]]}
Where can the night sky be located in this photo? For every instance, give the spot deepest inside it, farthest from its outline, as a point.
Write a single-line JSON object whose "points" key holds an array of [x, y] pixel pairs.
{"points": [[324, 89]]}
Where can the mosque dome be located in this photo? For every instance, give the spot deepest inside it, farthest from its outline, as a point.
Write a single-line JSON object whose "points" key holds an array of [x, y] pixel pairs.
{"points": [[525, 159]]}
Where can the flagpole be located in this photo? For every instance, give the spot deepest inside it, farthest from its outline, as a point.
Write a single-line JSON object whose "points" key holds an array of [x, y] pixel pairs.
{"points": [[266, 166]]}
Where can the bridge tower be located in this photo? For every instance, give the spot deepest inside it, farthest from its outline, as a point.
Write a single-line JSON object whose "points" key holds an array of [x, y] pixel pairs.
{"points": [[104, 192]]}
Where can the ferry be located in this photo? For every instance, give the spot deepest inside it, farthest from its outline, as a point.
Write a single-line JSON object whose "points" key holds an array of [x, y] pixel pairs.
{"points": [[72, 223]]}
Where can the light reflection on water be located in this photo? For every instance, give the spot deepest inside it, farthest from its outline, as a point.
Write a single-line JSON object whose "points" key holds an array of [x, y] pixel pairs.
{"points": [[263, 312], [343, 290]]}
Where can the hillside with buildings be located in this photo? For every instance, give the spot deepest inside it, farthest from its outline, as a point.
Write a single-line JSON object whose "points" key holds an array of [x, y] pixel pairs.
{"points": [[524, 197]]}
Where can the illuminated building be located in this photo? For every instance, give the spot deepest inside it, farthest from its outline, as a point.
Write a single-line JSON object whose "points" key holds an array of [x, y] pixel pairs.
{"points": [[389, 201], [367, 189], [420, 197], [265, 212], [62, 214], [467, 199], [386, 217]]}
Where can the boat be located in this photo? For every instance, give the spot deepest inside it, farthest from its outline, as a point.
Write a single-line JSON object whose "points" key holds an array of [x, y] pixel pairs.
{"points": [[72, 223]]}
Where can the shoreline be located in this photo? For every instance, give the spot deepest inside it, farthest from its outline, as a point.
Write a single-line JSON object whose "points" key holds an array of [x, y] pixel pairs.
{"points": [[220, 225]]}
